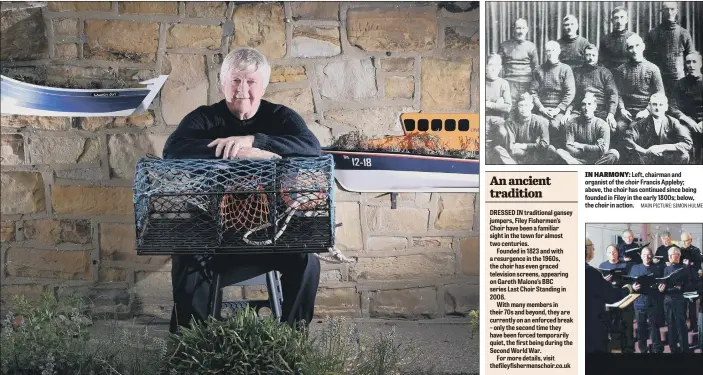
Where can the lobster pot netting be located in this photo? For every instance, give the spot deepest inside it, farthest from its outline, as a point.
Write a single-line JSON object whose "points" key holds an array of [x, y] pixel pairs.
{"points": [[196, 206]]}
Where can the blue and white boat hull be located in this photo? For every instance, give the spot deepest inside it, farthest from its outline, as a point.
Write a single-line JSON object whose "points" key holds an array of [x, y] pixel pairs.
{"points": [[362, 171], [20, 98]]}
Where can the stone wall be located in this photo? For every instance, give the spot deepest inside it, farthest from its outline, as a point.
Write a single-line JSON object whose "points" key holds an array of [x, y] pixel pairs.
{"points": [[67, 222]]}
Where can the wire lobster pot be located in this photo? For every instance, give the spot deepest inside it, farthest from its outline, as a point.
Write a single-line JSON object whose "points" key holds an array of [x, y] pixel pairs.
{"points": [[211, 206]]}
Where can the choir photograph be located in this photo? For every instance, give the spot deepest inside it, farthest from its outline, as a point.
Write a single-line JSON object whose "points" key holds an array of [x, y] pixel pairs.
{"points": [[594, 83], [643, 289]]}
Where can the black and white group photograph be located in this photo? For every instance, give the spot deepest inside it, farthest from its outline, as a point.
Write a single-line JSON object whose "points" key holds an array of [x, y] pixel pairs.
{"points": [[594, 82]]}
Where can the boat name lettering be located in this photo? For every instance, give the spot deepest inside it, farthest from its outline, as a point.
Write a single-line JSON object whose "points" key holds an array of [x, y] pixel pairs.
{"points": [[106, 94]]}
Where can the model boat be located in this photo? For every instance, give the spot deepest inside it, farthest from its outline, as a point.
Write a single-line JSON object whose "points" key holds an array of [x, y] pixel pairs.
{"points": [[437, 153], [20, 98]]}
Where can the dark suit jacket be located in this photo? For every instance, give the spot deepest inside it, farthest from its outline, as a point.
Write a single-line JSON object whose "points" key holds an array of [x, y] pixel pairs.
{"points": [[675, 136], [598, 293]]}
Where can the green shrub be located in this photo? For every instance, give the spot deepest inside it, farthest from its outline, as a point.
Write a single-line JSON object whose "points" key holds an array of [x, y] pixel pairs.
{"points": [[52, 337], [475, 323], [58, 337], [241, 344]]}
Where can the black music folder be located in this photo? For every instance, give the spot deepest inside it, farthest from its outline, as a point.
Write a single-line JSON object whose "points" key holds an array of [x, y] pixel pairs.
{"points": [[669, 280], [646, 281], [638, 250], [613, 271]]}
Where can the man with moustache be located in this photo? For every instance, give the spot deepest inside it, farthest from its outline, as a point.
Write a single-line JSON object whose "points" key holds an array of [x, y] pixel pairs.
{"points": [[637, 80], [599, 292], [658, 138], [613, 50], [588, 138], [687, 102], [572, 44], [675, 303], [242, 126], [667, 45], [553, 90], [526, 138], [646, 304], [629, 243], [621, 320], [592, 77], [520, 58], [691, 257]]}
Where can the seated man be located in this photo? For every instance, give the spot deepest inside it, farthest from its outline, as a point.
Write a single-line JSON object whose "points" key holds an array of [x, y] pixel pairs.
{"points": [[526, 140], [553, 90], [687, 102], [588, 138], [675, 303], [658, 138], [498, 100], [242, 126], [594, 78]]}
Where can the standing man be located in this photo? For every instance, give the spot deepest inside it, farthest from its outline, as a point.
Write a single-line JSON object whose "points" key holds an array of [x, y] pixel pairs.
{"points": [[613, 50], [572, 44], [691, 257], [621, 320], [553, 90], [498, 101], [658, 138], [637, 80], [629, 243], [519, 60], [687, 102], [242, 125], [592, 77], [667, 45], [675, 303], [588, 138], [599, 292], [646, 304]]}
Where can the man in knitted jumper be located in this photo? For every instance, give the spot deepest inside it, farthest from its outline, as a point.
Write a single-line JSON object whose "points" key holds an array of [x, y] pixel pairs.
{"points": [[667, 45], [588, 138], [242, 126], [572, 44], [594, 78], [498, 100], [520, 58], [553, 90], [687, 102], [526, 138], [637, 80], [613, 51], [658, 138]]}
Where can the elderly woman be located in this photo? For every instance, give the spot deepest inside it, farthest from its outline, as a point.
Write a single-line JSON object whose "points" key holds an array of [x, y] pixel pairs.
{"points": [[243, 125]]}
